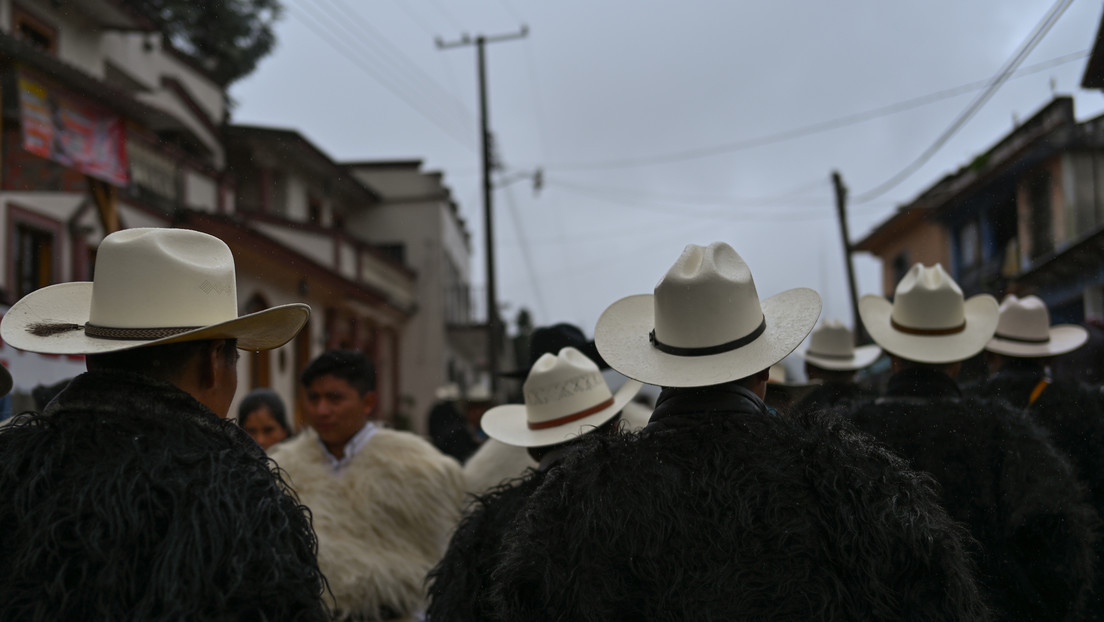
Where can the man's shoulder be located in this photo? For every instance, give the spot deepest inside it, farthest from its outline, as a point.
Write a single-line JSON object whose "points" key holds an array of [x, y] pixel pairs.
{"points": [[405, 450]]}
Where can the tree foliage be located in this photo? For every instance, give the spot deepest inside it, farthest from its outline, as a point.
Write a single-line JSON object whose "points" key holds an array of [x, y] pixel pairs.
{"points": [[226, 37]]}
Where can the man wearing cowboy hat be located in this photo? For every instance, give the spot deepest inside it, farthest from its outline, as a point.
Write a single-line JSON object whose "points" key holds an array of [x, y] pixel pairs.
{"points": [[131, 497], [831, 361], [566, 399], [998, 472], [383, 501], [1019, 355], [496, 462], [720, 509]]}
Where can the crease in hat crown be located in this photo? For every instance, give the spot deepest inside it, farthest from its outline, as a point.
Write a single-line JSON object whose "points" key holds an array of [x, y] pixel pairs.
{"points": [[832, 339], [1025, 319], [190, 275], [927, 298], [707, 298], [563, 384]]}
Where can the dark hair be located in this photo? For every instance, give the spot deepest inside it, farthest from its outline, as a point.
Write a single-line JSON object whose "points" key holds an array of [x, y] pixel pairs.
{"points": [[349, 365], [163, 361], [263, 397]]}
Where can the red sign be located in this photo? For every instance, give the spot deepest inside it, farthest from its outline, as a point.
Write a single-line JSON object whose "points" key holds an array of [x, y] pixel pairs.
{"points": [[72, 133]]}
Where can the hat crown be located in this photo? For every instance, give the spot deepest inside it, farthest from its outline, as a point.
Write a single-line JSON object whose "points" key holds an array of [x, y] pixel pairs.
{"points": [[1024, 318], [927, 298], [563, 384], [153, 278], [707, 298], [832, 339]]}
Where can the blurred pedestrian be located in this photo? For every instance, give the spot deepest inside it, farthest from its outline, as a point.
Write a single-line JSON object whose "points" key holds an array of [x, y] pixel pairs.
{"points": [[566, 398], [1019, 355], [831, 362], [383, 502], [998, 472], [262, 415], [131, 496]]}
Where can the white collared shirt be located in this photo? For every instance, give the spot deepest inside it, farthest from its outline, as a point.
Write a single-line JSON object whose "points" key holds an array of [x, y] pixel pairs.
{"points": [[355, 444]]}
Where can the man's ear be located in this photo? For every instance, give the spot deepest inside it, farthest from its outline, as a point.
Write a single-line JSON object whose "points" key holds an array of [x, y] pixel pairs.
{"points": [[763, 375], [368, 401], [212, 362]]}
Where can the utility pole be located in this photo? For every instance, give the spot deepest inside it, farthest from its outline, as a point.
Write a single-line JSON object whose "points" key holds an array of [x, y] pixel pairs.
{"points": [[841, 211], [493, 322]]}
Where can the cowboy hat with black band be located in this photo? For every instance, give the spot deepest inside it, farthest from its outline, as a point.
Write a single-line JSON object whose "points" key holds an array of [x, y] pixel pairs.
{"points": [[151, 287], [1024, 330], [704, 324]]}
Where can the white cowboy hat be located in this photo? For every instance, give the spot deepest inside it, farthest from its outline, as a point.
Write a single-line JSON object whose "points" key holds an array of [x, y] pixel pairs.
{"points": [[151, 287], [832, 347], [705, 324], [565, 397], [928, 320], [1024, 330]]}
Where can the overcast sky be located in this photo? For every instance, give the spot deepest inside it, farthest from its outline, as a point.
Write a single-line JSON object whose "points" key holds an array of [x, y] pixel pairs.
{"points": [[660, 124]]}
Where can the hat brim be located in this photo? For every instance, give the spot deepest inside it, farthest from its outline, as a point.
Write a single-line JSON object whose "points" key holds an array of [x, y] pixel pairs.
{"points": [[864, 356], [69, 304], [508, 423], [1064, 338], [981, 312], [622, 337]]}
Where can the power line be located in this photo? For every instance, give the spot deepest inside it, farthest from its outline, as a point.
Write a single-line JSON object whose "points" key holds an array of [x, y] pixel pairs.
{"points": [[315, 24], [997, 81], [526, 257], [806, 130], [788, 201], [448, 15], [728, 215], [407, 69]]}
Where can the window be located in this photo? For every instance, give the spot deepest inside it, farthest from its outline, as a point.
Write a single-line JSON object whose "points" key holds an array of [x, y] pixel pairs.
{"points": [[33, 30], [969, 244], [900, 266], [34, 259], [1038, 204], [314, 210]]}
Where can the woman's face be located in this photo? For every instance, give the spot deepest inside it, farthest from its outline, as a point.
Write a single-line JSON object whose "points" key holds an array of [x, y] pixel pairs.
{"points": [[262, 426]]}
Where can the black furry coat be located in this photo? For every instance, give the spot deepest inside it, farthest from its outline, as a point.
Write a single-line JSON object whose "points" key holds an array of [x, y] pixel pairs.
{"points": [[830, 395], [459, 586], [1073, 415], [721, 511], [1000, 476], [129, 500]]}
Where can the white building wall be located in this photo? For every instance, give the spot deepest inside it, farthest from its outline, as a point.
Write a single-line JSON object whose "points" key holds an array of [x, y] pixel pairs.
{"points": [[200, 191]]}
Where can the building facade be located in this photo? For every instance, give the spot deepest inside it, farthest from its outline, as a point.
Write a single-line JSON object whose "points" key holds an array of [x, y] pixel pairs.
{"points": [[1024, 217]]}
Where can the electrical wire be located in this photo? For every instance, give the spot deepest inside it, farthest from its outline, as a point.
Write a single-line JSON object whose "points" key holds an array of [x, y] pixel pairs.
{"points": [[807, 130], [997, 81], [325, 33], [404, 69], [525, 255]]}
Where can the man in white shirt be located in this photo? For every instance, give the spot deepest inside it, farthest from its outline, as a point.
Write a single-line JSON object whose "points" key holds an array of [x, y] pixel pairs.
{"points": [[383, 502]]}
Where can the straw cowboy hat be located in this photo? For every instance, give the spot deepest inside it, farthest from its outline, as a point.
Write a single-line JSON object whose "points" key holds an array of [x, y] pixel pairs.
{"points": [[151, 287], [705, 324], [565, 397], [928, 320], [1024, 330], [832, 347]]}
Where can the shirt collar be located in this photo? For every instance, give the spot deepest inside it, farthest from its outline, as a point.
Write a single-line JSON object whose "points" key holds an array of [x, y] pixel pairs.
{"points": [[355, 444]]}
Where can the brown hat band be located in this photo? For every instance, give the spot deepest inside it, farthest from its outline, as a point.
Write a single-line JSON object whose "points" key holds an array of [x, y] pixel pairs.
{"points": [[551, 423], [105, 332]]}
